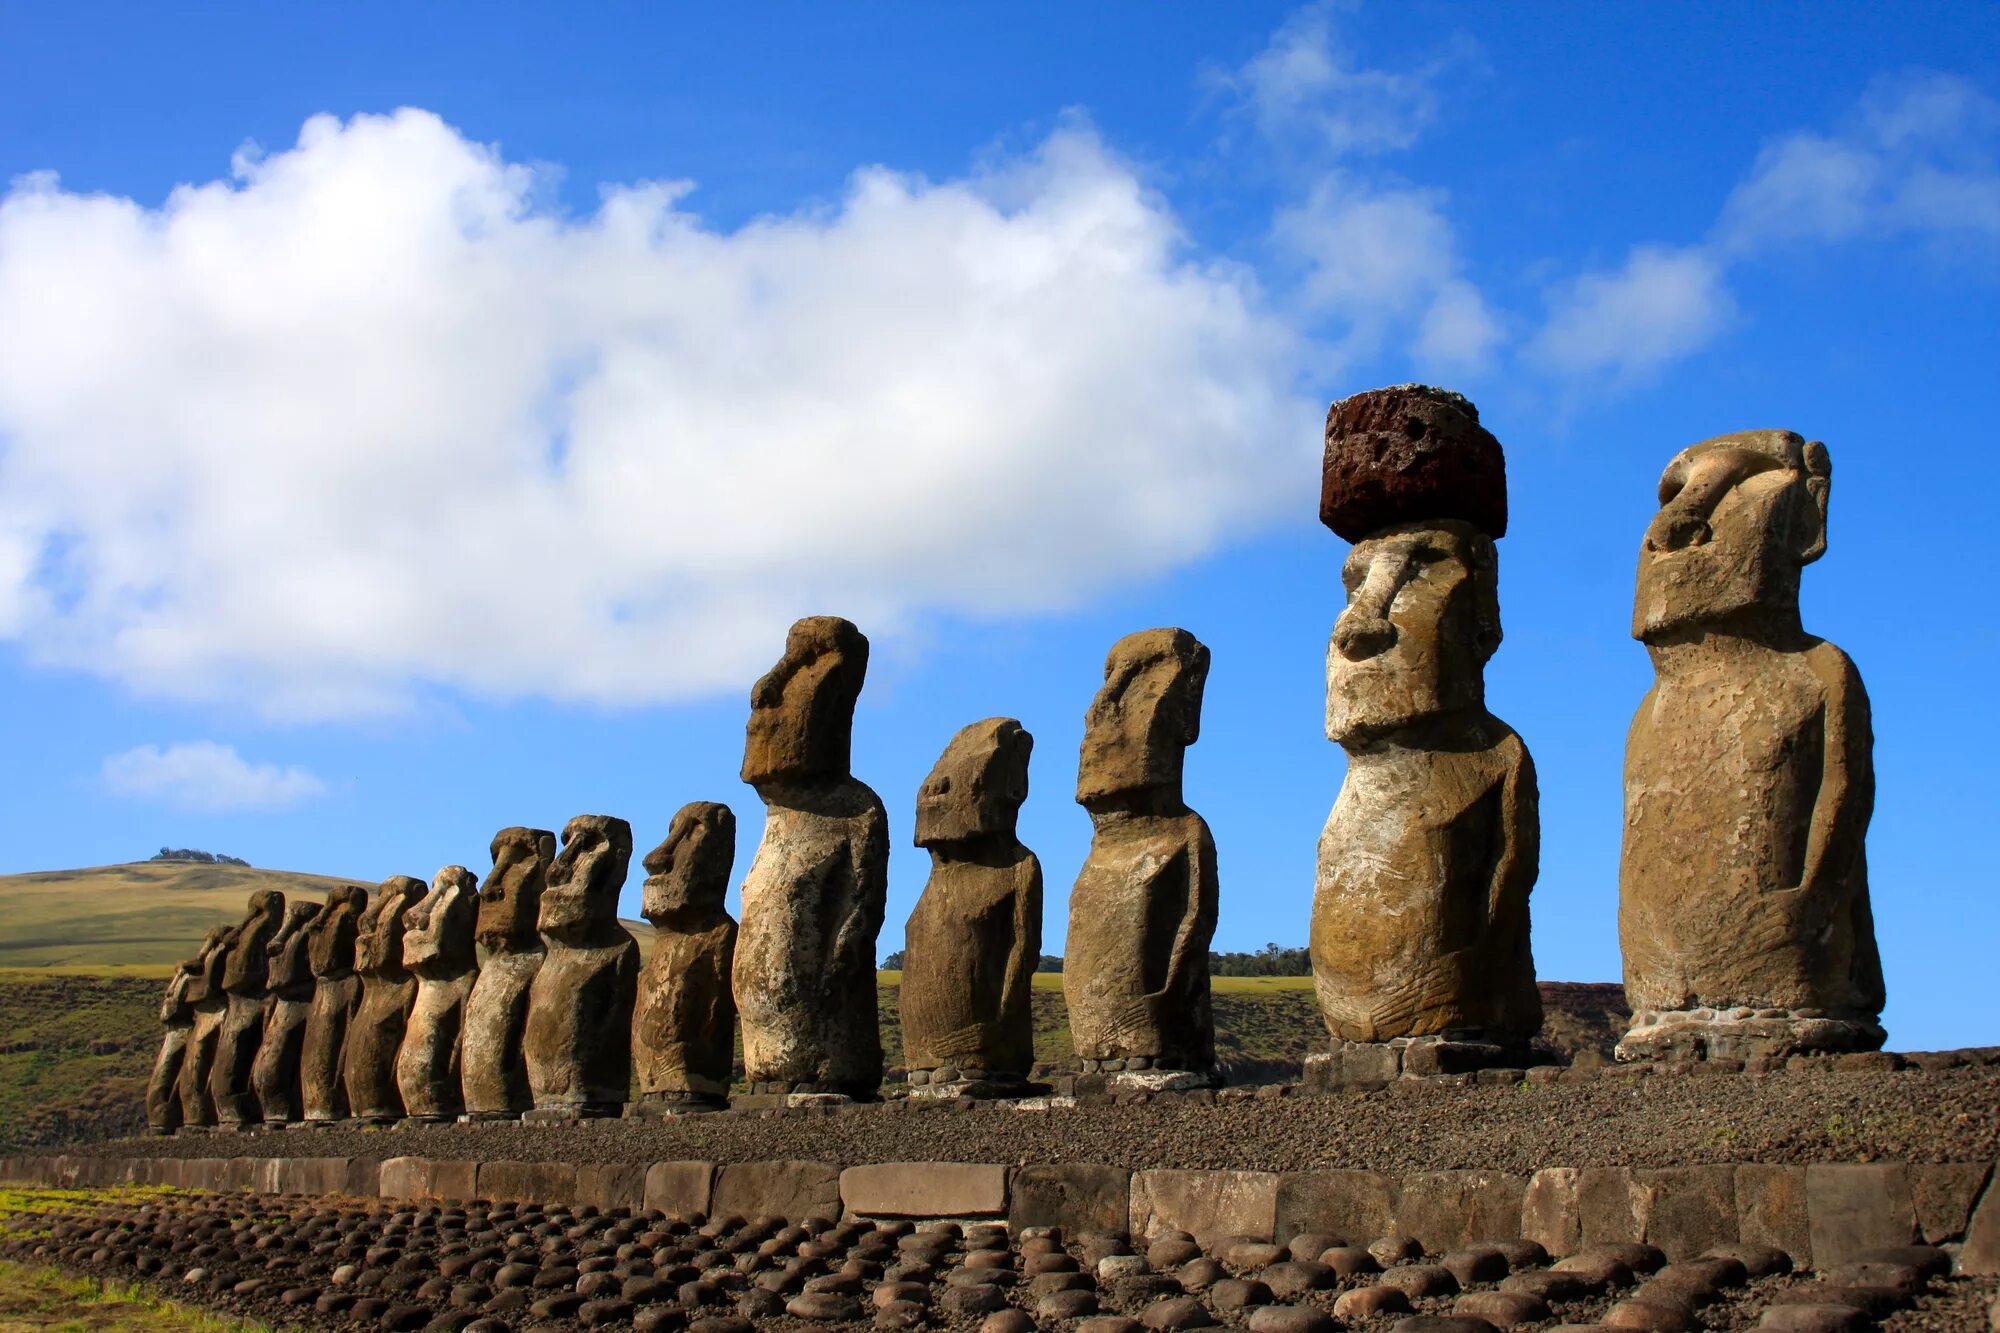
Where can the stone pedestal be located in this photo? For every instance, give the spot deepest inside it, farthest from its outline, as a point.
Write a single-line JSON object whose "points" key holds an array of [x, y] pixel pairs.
{"points": [[1367, 1063], [1743, 1033]]}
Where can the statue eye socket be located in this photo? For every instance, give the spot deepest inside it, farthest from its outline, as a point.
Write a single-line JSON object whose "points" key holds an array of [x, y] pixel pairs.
{"points": [[1671, 485]]}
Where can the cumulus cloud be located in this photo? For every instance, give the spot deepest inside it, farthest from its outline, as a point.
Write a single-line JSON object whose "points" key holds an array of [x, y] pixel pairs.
{"points": [[1305, 90], [1919, 157], [370, 415], [208, 777]]}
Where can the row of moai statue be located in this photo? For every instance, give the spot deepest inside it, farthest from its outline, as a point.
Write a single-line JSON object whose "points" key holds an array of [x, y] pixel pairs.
{"points": [[1744, 915]]}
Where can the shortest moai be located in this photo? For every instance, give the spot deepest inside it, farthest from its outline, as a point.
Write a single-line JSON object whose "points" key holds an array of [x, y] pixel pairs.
{"points": [[1419, 938], [330, 945], [1743, 906], [244, 972], [971, 946], [684, 1024], [375, 1036], [1135, 971], [288, 997], [438, 950], [816, 890], [163, 1090], [493, 1068], [579, 1036]]}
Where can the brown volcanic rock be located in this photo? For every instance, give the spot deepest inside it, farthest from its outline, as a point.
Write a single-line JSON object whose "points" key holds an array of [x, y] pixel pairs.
{"points": [[177, 1013], [493, 1069], [330, 945], [1409, 454], [287, 1009], [243, 978], [684, 1023], [579, 1037], [375, 1035], [438, 950]]}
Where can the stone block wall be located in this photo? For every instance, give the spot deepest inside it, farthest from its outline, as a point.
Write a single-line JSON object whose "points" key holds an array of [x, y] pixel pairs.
{"points": [[1821, 1214]]}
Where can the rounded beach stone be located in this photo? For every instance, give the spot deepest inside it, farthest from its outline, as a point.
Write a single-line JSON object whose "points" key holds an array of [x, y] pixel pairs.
{"points": [[1291, 1319], [1758, 1260], [1650, 1317], [1294, 1277], [1370, 1302], [898, 1315], [1502, 1309], [1389, 1250], [1349, 1260], [1236, 1293], [1007, 1321], [1476, 1264], [1176, 1312], [1072, 1304], [1815, 1319], [1421, 1281]]}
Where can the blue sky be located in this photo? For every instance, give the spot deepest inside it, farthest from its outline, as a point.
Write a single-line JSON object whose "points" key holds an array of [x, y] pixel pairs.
{"points": [[418, 421]]}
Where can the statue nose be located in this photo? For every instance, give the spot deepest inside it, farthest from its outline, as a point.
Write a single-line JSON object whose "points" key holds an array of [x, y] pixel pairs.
{"points": [[1360, 637], [1676, 530]]}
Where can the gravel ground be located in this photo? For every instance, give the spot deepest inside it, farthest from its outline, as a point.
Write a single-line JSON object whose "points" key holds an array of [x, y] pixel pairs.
{"points": [[1790, 1116]]}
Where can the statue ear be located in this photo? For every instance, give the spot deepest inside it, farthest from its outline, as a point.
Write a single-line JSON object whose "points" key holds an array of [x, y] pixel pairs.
{"points": [[1811, 538]]}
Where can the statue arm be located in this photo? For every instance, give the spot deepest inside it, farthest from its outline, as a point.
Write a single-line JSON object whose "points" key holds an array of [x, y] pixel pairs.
{"points": [[1027, 936], [1846, 794], [1197, 924], [867, 891], [1519, 858]]}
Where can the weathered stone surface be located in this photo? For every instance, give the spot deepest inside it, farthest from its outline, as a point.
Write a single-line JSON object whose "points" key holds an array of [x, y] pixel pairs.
{"points": [[493, 1069], [1142, 913], [330, 947], [243, 977], [1551, 1214], [971, 945], [1449, 1209], [549, 1183], [1410, 453], [606, 1186], [1078, 1196], [1359, 1205], [163, 1089], [1689, 1208], [1771, 1209], [208, 1001], [679, 1188], [684, 1023], [375, 1034], [579, 1036], [924, 1189], [1944, 1194], [288, 996], [1420, 910], [438, 950], [1610, 1207], [1981, 1255], [1855, 1207], [1208, 1205], [1749, 774], [792, 1190], [804, 974]]}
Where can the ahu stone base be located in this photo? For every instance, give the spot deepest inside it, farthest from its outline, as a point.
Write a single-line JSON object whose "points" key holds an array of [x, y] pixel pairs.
{"points": [[1743, 1034], [947, 1084], [1352, 1063]]}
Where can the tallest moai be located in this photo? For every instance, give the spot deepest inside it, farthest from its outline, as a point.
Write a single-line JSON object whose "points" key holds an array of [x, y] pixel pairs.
{"points": [[1749, 775]]}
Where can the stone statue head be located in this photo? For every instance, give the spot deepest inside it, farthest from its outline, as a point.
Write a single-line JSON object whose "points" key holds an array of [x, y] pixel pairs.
{"points": [[1740, 516], [245, 969], [688, 874], [802, 710], [1146, 715], [378, 946], [286, 962], [510, 901], [332, 935], [977, 785], [581, 900], [437, 932], [1422, 618]]}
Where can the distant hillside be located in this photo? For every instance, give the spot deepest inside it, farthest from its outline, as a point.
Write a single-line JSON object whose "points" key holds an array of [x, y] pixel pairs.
{"points": [[144, 917]]}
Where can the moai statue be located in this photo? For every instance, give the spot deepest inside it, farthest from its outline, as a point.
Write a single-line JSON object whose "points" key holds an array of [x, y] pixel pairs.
{"points": [[438, 949], [814, 897], [243, 980], [288, 997], [493, 1069], [330, 945], [375, 1035], [972, 943], [1135, 974], [684, 1025], [163, 1090], [209, 1002], [1420, 912], [1749, 775], [579, 1036]]}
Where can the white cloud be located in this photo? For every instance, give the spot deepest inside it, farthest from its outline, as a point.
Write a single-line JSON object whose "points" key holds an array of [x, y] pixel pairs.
{"points": [[1304, 90], [370, 416], [206, 776], [1660, 306]]}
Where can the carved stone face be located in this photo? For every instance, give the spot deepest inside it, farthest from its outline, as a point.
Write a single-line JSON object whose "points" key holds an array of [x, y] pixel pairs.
{"points": [[378, 950], [335, 930], [510, 901], [1422, 618], [1149, 711], [978, 784], [287, 965], [244, 971], [582, 894], [688, 874], [437, 933], [1740, 515], [802, 710]]}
